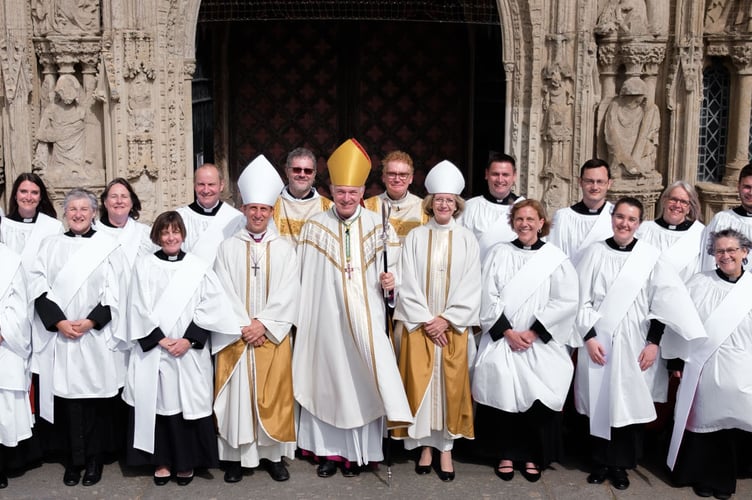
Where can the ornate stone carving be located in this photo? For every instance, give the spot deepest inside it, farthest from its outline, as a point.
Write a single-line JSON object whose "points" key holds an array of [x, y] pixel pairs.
{"points": [[139, 75], [623, 17], [728, 16], [558, 98], [741, 56], [65, 17]]}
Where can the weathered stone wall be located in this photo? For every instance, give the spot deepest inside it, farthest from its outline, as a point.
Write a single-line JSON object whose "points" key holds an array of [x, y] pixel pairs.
{"points": [[92, 90]]}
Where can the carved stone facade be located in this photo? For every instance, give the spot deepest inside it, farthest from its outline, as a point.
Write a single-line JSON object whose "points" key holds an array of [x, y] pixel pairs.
{"points": [[96, 89]]}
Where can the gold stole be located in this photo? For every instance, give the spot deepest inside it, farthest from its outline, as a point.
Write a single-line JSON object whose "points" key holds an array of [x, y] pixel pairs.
{"points": [[273, 385], [416, 367]]}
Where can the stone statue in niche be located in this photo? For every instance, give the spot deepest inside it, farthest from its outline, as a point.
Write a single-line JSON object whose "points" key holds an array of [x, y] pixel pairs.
{"points": [[624, 17], [61, 131], [558, 97], [631, 129], [728, 16], [65, 17], [139, 105]]}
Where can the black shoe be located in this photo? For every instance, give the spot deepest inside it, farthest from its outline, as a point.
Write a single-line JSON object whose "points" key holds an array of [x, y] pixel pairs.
{"points": [[505, 476], [721, 496], [351, 471], [532, 474], [93, 472], [72, 476], [233, 473], [619, 479], [446, 476], [278, 470], [422, 470], [3, 481], [184, 480], [703, 491], [327, 468], [598, 475], [161, 480]]}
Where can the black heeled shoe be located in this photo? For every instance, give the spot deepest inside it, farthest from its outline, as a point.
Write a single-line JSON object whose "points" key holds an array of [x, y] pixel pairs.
{"points": [[446, 476], [531, 476], [505, 476], [184, 480], [161, 480], [422, 470]]}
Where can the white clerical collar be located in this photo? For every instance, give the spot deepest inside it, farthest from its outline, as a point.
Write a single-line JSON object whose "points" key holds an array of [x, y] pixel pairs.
{"points": [[29, 220], [172, 258], [396, 203], [207, 210]]}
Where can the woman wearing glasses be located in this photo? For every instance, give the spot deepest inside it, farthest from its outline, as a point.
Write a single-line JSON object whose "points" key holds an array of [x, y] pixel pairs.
{"points": [[713, 424], [677, 233], [437, 305]]}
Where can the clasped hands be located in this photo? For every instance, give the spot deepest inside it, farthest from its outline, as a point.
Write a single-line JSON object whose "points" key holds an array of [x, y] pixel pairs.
{"points": [[254, 334], [520, 341], [437, 329], [74, 329]]}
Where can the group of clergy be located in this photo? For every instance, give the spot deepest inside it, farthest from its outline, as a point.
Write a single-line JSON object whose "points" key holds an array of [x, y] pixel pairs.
{"points": [[300, 322]]}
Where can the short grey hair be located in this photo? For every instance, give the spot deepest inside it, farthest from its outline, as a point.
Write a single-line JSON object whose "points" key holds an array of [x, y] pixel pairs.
{"points": [[80, 194], [694, 201], [744, 242], [300, 153]]}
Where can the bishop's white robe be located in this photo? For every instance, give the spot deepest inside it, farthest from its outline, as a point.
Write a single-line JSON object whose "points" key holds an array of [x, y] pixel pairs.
{"points": [[291, 213], [526, 286], [254, 404], [16, 420], [170, 295], [78, 274], [406, 214], [489, 220], [679, 245], [440, 277], [206, 229], [736, 218], [345, 374], [575, 228], [619, 393]]}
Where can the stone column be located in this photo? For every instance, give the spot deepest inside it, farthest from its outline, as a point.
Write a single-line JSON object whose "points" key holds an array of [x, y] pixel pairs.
{"points": [[738, 145]]}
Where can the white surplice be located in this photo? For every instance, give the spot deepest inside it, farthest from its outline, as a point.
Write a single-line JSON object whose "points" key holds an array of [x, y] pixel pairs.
{"points": [[78, 273], [344, 370], [440, 277], [134, 238], [679, 248], [573, 231], [24, 238], [736, 218], [16, 420], [264, 277], [204, 232], [627, 393], [546, 292], [488, 221], [170, 295]]}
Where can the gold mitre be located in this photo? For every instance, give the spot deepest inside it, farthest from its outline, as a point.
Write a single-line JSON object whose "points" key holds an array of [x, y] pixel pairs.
{"points": [[349, 165]]}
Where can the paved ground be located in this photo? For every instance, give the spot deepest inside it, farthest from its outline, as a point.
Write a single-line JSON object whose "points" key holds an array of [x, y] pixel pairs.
{"points": [[474, 480]]}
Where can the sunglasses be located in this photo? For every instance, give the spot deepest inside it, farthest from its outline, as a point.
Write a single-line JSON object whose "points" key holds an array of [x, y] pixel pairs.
{"points": [[301, 170]]}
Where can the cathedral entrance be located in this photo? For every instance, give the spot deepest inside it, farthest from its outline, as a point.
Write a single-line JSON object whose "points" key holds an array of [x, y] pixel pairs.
{"points": [[433, 89]]}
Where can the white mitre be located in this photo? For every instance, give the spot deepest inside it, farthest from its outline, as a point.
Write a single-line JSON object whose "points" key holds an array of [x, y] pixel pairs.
{"points": [[260, 183], [445, 177]]}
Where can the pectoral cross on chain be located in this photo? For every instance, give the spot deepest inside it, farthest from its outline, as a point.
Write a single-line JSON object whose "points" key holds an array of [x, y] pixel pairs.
{"points": [[349, 269]]}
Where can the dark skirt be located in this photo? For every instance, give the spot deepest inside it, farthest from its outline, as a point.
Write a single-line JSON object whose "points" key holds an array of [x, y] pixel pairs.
{"points": [[25, 455], [623, 450], [180, 444], [531, 436], [714, 459], [89, 428]]}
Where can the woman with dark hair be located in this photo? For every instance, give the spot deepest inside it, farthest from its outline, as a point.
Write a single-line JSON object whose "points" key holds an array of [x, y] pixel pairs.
{"points": [[437, 307], [713, 425], [31, 217], [523, 369], [176, 304], [628, 296], [119, 212]]}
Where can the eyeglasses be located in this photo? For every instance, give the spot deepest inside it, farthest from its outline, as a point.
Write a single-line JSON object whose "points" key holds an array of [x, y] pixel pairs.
{"points": [[444, 201], [397, 175], [730, 251], [594, 182], [301, 170], [679, 201]]}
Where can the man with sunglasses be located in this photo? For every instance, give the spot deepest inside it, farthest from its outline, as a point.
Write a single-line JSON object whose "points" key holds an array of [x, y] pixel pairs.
{"points": [[299, 200], [406, 210], [738, 218]]}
